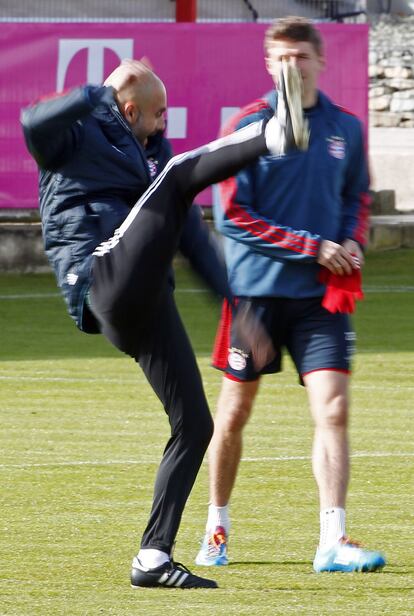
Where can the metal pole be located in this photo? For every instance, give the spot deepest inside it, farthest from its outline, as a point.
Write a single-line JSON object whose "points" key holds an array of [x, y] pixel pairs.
{"points": [[186, 10]]}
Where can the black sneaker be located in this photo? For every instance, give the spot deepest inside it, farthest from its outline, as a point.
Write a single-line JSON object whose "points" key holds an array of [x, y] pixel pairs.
{"points": [[169, 575]]}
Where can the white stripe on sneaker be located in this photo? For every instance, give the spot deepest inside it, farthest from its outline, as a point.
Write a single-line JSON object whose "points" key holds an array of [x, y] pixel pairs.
{"points": [[182, 580], [163, 578], [173, 578]]}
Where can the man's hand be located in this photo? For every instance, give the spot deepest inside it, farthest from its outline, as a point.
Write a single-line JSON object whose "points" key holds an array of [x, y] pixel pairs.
{"points": [[253, 336], [338, 259], [355, 249], [121, 76]]}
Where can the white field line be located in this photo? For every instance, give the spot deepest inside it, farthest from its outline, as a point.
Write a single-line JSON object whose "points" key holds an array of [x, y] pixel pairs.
{"points": [[68, 379], [30, 296], [136, 380], [362, 454], [389, 289], [367, 289], [54, 295]]}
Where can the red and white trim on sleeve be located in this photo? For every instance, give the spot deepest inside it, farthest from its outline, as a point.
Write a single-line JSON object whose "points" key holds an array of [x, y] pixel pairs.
{"points": [[270, 233], [362, 228]]}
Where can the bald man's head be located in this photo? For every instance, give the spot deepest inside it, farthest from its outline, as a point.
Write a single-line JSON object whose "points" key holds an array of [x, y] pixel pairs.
{"points": [[141, 97]]}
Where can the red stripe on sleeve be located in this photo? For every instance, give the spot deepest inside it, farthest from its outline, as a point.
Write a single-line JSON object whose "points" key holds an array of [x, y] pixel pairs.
{"points": [[269, 233], [362, 228]]}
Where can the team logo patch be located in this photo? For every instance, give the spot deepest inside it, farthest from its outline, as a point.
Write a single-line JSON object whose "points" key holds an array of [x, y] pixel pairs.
{"points": [[237, 359], [336, 147], [152, 164], [72, 278]]}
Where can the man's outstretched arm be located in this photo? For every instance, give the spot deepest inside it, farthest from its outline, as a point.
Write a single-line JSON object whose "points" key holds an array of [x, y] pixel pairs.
{"points": [[51, 128]]}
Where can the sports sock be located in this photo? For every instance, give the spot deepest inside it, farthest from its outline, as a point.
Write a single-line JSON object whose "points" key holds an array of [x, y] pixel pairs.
{"points": [[218, 516], [332, 526], [151, 558]]}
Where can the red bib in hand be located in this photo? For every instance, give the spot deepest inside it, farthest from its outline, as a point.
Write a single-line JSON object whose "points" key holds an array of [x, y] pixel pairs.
{"points": [[341, 291]]}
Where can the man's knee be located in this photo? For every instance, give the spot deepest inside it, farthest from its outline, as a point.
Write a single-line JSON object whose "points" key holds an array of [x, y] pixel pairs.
{"points": [[235, 404], [328, 397], [197, 433], [332, 412], [336, 412]]}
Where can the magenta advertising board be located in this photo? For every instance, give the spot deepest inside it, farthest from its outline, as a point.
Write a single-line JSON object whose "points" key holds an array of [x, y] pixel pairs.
{"points": [[209, 70]]}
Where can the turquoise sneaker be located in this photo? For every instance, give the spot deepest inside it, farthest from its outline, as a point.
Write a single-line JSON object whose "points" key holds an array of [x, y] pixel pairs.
{"points": [[347, 556], [213, 551]]}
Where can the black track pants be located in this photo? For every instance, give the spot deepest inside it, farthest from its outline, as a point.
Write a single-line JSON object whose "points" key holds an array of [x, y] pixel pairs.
{"points": [[168, 362], [131, 298]]}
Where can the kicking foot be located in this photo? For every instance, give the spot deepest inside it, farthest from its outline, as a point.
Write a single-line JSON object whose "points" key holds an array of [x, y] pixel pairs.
{"points": [[289, 129]]}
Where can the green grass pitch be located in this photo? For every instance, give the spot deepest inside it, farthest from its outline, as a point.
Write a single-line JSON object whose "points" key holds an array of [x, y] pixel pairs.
{"points": [[82, 432]]}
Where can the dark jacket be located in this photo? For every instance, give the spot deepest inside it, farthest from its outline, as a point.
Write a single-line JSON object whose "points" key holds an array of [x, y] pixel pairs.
{"points": [[276, 211], [92, 170]]}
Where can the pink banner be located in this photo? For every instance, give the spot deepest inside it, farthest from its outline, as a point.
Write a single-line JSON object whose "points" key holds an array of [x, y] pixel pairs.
{"points": [[209, 71]]}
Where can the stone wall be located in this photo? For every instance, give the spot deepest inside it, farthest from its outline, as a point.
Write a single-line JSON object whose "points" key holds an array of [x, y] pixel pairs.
{"points": [[21, 244], [391, 72], [21, 248]]}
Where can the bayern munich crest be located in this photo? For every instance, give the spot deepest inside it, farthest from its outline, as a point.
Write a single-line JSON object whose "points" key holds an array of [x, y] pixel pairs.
{"points": [[153, 166], [237, 359], [336, 147]]}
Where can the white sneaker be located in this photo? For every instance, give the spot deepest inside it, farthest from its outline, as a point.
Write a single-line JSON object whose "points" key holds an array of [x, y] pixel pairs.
{"points": [[289, 107], [214, 549], [347, 556]]}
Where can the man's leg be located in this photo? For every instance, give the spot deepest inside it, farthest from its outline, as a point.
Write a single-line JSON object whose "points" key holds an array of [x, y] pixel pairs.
{"points": [[233, 411], [168, 361], [329, 401], [130, 269], [239, 389], [328, 393], [321, 345]]}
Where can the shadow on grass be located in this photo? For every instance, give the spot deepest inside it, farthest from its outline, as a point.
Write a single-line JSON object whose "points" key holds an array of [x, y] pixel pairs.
{"points": [[389, 570], [267, 563]]}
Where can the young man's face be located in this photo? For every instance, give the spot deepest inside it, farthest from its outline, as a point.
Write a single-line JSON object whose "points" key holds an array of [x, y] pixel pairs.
{"points": [[301, 54]]}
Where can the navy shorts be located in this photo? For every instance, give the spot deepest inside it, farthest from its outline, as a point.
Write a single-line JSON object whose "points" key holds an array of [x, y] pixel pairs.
{"points": [[315, 338]]}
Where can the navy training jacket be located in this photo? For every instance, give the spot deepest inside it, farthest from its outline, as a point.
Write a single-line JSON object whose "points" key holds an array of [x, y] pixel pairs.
{"points": [[92, 170], [275, 212]]}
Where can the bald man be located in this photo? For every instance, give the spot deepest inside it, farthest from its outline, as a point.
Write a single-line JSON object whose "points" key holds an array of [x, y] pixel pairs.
{"points": [[100, 149], [141, 98]]}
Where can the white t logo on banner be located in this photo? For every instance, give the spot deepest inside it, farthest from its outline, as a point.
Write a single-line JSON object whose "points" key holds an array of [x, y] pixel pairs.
{"points": [[177, 123], [68, 48], [123, 48]]}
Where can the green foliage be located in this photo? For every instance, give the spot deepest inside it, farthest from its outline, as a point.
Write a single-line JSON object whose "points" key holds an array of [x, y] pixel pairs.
{"points": [[82, 434]]}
